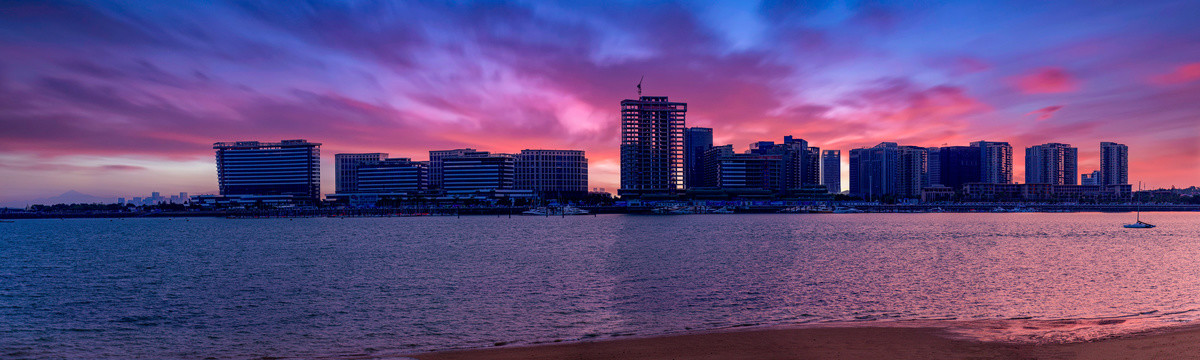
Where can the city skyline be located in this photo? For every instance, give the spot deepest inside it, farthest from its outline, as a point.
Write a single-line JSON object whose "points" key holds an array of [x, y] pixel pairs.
{"points": [[140, 110]]}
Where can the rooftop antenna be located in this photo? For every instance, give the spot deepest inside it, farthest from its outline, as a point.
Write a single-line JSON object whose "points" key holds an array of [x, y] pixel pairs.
{"points": [[640, 85]]}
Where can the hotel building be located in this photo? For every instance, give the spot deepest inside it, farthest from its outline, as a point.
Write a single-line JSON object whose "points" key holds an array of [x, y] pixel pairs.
{"points": [[286, 168]]}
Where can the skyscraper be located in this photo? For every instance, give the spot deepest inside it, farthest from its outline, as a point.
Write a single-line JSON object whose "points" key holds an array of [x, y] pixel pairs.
{"points": [[552, 173], [1114, 163], [1052, 163], [831, 170], [345, 166], [712, 164], [289, 167], [435, 165], [695, 141], [995, 162], [652, 153], [888, 169]]}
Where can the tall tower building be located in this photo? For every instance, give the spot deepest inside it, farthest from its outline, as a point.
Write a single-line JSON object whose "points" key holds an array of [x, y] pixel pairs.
{"points": [[831, 170], [1114, 164], [289, 167], [345, 166], [652, 153], [696, 141], [995, 162], [888, 169], [1052, 163]]}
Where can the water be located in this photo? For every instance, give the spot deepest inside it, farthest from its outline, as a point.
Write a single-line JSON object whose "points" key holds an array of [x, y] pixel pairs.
{"points": [[222, 288]]}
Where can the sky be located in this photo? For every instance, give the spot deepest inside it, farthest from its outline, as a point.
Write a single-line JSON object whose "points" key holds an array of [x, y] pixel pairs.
{"points": [[124, 98]]}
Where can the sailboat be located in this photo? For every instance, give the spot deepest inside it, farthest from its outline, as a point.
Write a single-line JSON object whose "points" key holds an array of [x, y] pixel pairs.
{"points": [[1139, 224]]}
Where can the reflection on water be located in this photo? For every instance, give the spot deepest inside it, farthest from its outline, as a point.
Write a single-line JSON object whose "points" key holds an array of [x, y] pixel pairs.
{"points": [[154, 288]]}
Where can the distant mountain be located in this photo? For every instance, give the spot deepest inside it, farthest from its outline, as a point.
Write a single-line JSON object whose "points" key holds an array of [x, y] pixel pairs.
{"points": [[72, 197]]}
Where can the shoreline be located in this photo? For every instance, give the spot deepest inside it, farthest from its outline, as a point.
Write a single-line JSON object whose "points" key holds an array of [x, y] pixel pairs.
{"points": [[516, 212], [905, 339]]}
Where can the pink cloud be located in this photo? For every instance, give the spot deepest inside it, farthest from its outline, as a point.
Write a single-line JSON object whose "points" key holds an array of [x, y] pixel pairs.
{"points": [[1182, 74], [1045, 113], [1047, 80]]}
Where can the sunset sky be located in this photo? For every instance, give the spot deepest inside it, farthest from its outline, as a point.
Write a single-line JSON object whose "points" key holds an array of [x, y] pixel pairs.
{"points": [[124, 98]]}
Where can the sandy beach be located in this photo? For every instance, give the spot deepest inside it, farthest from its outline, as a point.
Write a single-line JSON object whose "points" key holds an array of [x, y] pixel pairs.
{"points": [[895, 341]]}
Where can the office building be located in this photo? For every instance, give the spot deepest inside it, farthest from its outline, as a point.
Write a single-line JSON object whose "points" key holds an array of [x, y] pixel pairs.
{"points": [[652, 153], [1114, 163], [831, 170], [289, 167], [995, 162], [435, 165], [478, 171], [752, 171], [695, 141], [1092, 178], [552, 174], [888, 169], [345, 168], [398, 175], [1052, 163]]}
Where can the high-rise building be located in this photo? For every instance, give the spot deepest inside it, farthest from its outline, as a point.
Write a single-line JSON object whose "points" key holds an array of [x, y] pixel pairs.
{"points": [[478, 171], [345, 166], [1051, 163], [1114, 164], [888, 169], [995, 162], [933, 170], [1092, 178], [396, 175], [289, 167], [810, 173], [652, 154], [956, 165], [831, 170], [552, 173], [695, 141], [435, 165], [712, 164]]}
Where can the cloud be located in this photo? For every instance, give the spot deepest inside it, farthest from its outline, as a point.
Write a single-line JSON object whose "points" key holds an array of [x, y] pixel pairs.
{"points": [[1182, 74], [1045, 113], [1047, 80]]}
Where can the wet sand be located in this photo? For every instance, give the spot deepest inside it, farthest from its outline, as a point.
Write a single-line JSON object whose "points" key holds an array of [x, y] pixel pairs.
{"points": [[852, 342]]}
